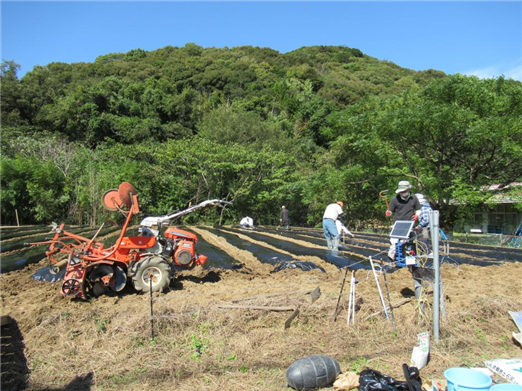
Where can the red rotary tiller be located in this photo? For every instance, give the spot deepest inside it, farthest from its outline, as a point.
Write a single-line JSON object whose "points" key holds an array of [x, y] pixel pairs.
{"points": [[92, 269]]}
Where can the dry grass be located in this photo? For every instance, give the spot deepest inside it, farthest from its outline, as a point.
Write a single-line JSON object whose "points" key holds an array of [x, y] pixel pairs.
{"points": [[106, 344], [246, 349]]}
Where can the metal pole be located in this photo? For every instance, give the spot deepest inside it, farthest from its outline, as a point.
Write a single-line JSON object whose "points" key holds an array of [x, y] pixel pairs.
{"points": [[434, 229], [350, 298], [151, 309], [379, 288], [442, 303], [353, 300]]}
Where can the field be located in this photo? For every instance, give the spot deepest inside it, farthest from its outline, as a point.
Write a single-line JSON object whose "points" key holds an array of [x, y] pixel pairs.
{"points": [[208, 336]]}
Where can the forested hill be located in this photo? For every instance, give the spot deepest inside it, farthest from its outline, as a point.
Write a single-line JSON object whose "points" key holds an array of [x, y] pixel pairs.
{"points": [[263, 128], [164, 94]]}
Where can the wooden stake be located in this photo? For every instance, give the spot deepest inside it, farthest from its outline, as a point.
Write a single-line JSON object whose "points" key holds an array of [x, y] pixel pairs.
{"points": [[388, 294], [255, 307], [394, 306], [273, 295], [315, 294], [340, 293], [291, 317]]}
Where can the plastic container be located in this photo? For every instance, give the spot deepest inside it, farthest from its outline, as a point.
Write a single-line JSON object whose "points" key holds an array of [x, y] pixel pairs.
{"points": [[506, 387], [465, 379]]}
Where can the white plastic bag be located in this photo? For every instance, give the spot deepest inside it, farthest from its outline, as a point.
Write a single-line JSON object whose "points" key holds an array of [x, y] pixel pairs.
{"points": [[419, 356]]}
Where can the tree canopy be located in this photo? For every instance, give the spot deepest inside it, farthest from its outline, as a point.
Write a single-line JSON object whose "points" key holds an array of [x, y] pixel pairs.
{"points": [[265, 129]]}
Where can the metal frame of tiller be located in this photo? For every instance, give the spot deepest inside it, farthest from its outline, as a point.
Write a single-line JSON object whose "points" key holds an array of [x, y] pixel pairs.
{"points": [[85, 254]]}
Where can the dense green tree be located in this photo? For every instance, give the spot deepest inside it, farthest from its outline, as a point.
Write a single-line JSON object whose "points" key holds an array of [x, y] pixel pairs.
{"points": [[302, 129], [450, 139], [33, 188], [229, 126], [11, 94]]}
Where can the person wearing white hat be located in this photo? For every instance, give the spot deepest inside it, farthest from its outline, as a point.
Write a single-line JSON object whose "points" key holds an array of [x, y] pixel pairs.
{"points": [[404, 205], [424, 222], [247, 222], [331, 214], [424, 211], [341, 228]]}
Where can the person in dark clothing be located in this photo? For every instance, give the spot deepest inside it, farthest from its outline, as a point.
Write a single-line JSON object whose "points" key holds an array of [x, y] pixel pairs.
{"points": [[404, 206], [284, 217]]}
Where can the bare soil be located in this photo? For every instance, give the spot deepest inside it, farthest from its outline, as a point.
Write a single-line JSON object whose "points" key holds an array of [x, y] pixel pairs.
{"points": [[201, 344]]}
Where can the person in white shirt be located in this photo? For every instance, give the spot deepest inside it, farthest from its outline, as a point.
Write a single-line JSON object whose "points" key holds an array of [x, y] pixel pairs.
{"points": [[342, 229], [247, 222], [331, 214]]}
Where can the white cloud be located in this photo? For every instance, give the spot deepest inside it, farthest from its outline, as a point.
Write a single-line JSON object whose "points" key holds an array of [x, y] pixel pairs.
{"points": [[483, 73], [513, 72]]}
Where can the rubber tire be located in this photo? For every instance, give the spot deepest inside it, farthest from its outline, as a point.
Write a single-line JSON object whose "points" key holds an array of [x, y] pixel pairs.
{"points": [[144, 266]]}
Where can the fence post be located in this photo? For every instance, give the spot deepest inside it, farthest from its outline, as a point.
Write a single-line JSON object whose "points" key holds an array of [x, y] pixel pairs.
{"points": [[434, 229]]}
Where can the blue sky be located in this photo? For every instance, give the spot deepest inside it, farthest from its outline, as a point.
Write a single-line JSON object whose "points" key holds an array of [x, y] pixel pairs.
{"points": [[472, 37]]}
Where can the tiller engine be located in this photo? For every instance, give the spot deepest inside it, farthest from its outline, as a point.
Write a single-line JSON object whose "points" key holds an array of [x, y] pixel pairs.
{"points": [[148, 261]]}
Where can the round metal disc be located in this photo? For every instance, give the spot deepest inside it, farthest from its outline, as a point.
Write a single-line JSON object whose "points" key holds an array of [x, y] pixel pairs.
{"points": [[101, 271], [111, 200], [126, 191], [99, 289], [120, 279]]}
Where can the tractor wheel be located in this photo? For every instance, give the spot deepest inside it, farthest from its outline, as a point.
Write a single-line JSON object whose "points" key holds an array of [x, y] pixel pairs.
{"points": [[152, 268]]}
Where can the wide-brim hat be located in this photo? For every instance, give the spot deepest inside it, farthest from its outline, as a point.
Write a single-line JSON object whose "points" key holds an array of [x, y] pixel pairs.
{"points": [[403, 186], [421, 198]]}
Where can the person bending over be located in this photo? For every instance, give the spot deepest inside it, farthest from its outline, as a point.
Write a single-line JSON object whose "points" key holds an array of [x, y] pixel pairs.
{"points": [[331, 214]]}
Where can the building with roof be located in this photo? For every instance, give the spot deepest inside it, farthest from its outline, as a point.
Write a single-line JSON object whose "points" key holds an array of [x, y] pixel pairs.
{"points": [[501, 214]]}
